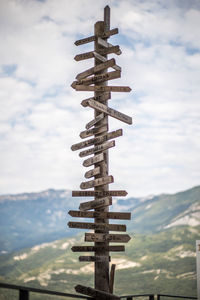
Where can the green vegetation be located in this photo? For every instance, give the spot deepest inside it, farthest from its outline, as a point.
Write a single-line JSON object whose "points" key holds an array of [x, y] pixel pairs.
{"points": [[163, 262], [160, 258]]}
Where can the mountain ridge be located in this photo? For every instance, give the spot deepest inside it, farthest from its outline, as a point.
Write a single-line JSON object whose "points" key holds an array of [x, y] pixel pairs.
{"points": [[29, 219]]}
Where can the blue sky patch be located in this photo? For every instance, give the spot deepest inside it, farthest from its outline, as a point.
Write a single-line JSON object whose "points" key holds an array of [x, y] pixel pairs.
{"points": [[9, 70]]}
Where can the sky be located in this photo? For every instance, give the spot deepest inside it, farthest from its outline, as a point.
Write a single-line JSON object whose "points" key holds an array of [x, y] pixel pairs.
{"points": [[41, 116]]}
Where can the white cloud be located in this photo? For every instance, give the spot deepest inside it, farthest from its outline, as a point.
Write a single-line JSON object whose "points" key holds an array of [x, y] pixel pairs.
{"points": [[41, 116]]}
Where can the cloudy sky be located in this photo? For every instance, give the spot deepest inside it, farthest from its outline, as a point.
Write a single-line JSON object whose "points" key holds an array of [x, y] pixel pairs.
{"points": [[41, 116]]}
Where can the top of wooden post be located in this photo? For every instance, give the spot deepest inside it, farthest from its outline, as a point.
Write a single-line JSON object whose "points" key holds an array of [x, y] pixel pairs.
{"points": [[106, 18]]}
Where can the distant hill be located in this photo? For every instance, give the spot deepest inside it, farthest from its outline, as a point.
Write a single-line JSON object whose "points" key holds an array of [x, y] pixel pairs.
{"points": [[33, 218], [162, 262]]}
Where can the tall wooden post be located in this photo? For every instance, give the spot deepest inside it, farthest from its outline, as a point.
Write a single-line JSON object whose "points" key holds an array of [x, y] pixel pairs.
{"points": [[102, 269], [96, 79]]}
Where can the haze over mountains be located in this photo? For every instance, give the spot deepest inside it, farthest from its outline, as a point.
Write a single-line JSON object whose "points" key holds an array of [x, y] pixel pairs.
{"points": [[32, 218], [160, 258]]}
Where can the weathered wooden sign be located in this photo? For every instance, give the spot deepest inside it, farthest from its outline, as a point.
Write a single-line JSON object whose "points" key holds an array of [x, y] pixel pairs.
{"points": [[94, 258], [94, 121], [97, 226], [97, 182], [95, 79], [109, 111], [93, 160], [112, 238], [85, 40], [92, 38], [103, 59], [101, 98], [104, 43], [101, 202], [113, 49], [116, 193], [97, 294], [108, 33], [99, 88], [107, 64], [98, 148], [87, 133], [92, 172], [97, 140], [83, 56], [100, 215], [110, 248]]}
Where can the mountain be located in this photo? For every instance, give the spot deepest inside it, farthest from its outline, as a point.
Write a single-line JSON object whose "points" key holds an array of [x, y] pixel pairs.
{"points": [[162, 262], [166, 211], [160, 258], [33, 218]]}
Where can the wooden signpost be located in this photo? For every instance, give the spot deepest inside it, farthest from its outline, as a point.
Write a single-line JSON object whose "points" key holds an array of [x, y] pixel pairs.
{"points": [[101, 202], [98, 248], [100, 215], [99, 226], [95, 79], [116, 193]]}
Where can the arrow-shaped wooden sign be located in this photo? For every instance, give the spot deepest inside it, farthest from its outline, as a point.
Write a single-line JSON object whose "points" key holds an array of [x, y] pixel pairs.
{"points": [[99, 88], [98, 248], [112, 238], [87, 133], [83, 56], [97, 140], [102, 147], [92, 172], [108, 33], [97, 226], [110, 111], [85, 40], [107, 64], [93, 38], [94, 121], [96, 294], [101, 202], [94, 258], [100, 98], [93, 160], [107, 45], [100, 215], [97, 78], [97, 182], [103, 59], [111, 49], [116, 193]]}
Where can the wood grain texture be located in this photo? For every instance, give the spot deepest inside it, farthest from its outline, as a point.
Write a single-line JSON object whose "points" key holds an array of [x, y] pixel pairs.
{"points": [[98, 148], [97, 294], [97, 226], [111, 238], [93, 160], [100, 215], [101, 88], [89, 132], [114, 193], [97, 203], [97, 182], [92, 172], [97, 140], [110, 111], [102, 66], [110, 248], [94, 258]]}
